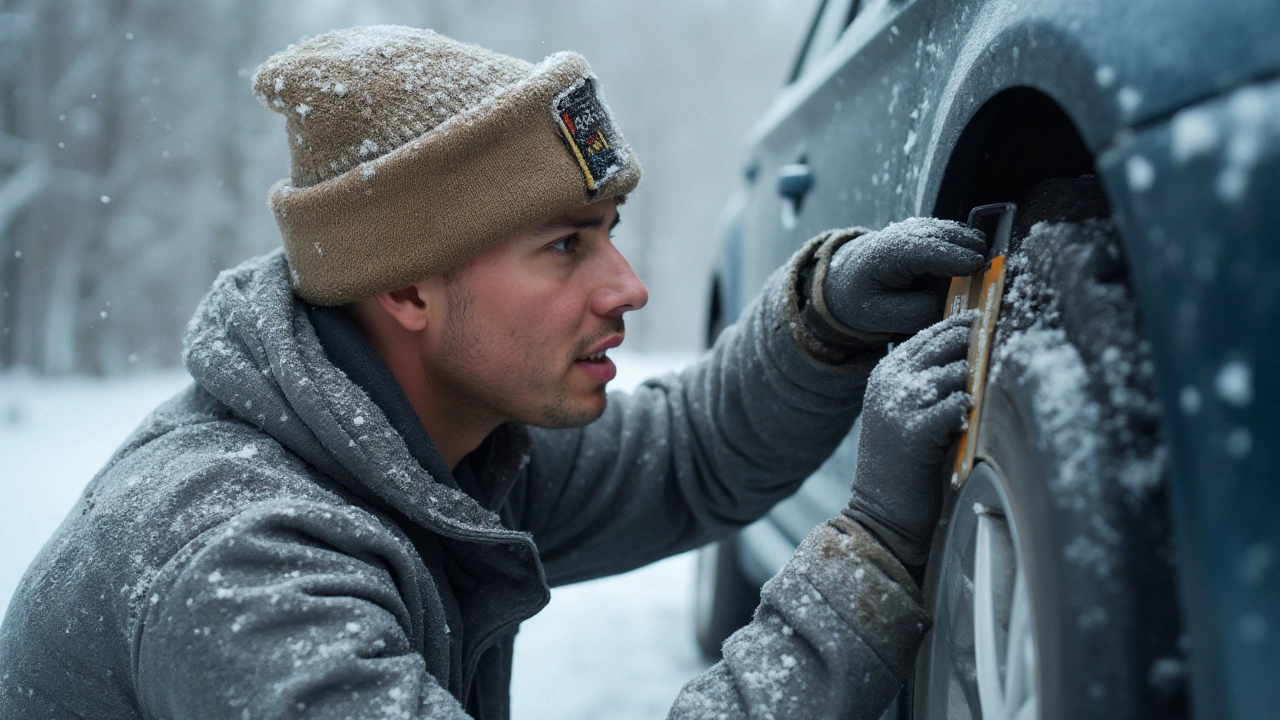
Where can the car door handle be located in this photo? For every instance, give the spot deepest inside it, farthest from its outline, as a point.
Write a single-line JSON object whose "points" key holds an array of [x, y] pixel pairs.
{"points": [[795, 181]]}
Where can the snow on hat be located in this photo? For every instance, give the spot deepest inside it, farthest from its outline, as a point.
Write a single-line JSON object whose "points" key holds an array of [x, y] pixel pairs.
{"points": [[413, 152]]}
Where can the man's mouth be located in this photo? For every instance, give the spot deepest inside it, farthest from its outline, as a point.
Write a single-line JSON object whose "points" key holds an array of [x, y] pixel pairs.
{"points": [[596, 351], [596, 363]]}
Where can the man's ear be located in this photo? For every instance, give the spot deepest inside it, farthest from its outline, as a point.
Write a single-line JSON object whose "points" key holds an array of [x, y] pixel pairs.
{"points": [[410, 306]]}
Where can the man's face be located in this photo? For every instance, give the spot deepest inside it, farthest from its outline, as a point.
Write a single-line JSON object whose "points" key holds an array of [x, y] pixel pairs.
{"points": [[526, 323]]}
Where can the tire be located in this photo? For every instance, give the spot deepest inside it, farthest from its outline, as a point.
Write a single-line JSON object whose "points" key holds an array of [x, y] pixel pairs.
{"points": [[724, 599], [1050, 580]]}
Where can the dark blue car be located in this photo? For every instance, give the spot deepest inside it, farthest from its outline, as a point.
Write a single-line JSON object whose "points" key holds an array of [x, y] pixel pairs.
{"points": [[1116, 551]]}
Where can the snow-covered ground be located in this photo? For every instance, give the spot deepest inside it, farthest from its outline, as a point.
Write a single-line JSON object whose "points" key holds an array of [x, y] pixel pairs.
{"points": [[619, 647]]}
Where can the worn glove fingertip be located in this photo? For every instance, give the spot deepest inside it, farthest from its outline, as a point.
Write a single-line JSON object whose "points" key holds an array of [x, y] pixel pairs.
{"points": [[964, 317], [953, 377], [939, 256], [961, 234], [945, 347], [957, 341], [971, 238], [958, 404], [948, 417]]}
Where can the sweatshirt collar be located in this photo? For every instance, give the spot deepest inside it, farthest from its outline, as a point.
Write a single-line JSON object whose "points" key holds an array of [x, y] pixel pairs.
{"points": [[349, 351], [252, 346]]}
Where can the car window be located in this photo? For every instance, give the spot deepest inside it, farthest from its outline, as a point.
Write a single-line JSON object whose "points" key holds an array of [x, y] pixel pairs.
{"points": [[829, 22]]}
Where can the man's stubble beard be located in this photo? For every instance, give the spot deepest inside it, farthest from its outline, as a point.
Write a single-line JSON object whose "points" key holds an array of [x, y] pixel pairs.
{"points": [[463, 348]]}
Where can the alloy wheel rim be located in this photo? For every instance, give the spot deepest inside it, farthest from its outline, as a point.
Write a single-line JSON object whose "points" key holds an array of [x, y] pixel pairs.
{"points": [[982, 650]]}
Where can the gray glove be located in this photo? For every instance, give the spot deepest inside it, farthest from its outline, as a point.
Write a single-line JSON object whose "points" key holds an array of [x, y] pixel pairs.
{"points": [[882, 286], [915, 404]]}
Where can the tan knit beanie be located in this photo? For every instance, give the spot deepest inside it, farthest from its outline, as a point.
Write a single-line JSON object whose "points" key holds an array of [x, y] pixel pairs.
{"points": [[413, 152]]}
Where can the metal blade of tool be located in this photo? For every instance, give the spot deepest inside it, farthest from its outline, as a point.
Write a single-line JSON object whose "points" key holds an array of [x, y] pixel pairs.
{"points": [[981, 291]]}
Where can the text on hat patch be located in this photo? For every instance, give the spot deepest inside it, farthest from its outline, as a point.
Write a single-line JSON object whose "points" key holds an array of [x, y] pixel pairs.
{"points": [[587, 128]]}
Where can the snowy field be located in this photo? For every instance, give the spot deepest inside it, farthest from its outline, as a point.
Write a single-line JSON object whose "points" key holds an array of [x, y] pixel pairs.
{"points": [[618, 648]]}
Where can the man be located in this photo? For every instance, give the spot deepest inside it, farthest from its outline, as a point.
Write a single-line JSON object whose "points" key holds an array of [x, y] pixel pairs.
{"points": [[398, 435]]}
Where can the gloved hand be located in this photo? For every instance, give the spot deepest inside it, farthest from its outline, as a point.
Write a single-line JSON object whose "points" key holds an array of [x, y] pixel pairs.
{"points": [[877, 286], [915, 404]]}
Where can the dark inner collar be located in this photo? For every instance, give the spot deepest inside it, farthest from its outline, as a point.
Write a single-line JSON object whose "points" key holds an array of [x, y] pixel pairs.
{"points": [[347, 348]]}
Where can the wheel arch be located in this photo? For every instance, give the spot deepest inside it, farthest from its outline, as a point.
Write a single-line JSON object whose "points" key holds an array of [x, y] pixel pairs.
{"points": [[1022, 74], [1017, 139]]}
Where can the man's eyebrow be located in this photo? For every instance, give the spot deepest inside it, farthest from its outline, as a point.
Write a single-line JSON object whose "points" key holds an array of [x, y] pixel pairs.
{"points": [[594, 221]]}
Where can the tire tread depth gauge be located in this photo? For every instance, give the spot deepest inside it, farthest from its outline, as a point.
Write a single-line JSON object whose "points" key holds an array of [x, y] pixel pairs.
{"points": [[983, 292]]}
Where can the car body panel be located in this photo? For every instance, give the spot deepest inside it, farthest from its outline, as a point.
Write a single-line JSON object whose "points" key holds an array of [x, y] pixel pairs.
{"points": [[1086, 56], [878, 119], [1198, 198]]}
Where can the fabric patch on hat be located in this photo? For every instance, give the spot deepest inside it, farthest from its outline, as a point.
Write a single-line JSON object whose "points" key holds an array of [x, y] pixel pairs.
{"points": [[586, 127]]}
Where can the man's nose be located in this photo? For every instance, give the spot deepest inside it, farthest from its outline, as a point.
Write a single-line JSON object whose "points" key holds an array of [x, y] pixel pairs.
{"points": [[622, 290]]}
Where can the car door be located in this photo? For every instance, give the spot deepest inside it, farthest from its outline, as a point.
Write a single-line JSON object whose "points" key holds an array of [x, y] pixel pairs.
{"points": [[832, 153]]}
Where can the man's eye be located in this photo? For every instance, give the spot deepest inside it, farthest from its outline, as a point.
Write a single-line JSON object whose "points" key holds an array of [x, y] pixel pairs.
{"points": [[566, 244]]}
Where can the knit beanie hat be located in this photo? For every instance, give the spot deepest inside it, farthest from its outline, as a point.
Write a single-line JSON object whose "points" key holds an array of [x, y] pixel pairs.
{"points": [[412, 153]]}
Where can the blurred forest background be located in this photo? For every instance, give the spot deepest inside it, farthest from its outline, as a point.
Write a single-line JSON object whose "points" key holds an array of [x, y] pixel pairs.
{"points": [[135, 161]]}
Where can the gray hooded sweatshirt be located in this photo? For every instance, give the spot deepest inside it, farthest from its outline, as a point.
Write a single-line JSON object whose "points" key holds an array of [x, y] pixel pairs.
{"points": [[265, 545]]}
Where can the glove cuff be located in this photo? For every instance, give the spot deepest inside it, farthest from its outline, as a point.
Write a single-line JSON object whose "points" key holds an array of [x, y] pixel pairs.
{"points": [[811, 331], [907, 550], [818, 314]]}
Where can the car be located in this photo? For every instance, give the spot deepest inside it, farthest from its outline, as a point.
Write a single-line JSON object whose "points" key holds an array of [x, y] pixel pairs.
{"points": [[1116, 550]]}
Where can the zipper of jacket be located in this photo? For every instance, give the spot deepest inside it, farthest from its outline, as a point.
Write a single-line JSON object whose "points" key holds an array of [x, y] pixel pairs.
{"points": [[486, 641], [447, 529]]}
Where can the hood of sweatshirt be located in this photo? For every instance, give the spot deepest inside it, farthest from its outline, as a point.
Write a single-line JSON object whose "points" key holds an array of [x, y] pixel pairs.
{"points": [[252, 346]]}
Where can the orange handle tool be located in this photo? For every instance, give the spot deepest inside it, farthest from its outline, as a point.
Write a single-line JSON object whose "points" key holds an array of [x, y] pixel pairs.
{"points": [[981, 291]]}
